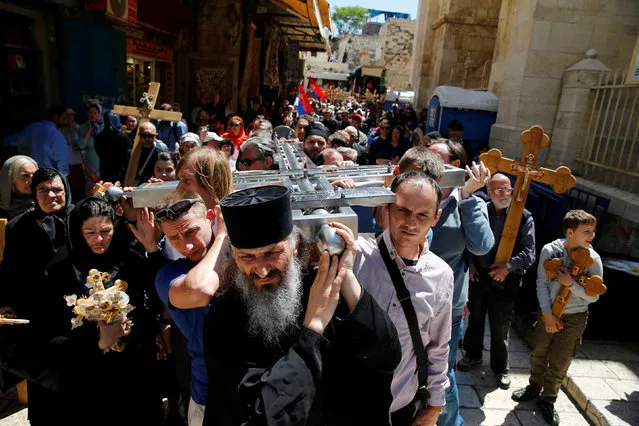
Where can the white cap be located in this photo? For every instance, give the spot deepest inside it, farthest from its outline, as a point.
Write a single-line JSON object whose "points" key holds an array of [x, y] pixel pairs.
{"points": [[212, 136]]}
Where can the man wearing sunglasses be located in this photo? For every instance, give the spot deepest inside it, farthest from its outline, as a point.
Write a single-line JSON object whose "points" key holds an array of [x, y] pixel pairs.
{"points": [[187, 224], [494, 285], [285, 343], [257, 153], [150, 149]]}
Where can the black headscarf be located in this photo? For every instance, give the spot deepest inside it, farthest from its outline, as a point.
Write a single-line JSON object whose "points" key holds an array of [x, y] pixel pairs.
{"points": [[82, 257], [54, 224]]}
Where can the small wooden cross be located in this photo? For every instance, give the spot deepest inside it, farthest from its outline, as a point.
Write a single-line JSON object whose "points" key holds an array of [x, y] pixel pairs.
{"points": [[144, 113], [526, 171], [580, 261]]}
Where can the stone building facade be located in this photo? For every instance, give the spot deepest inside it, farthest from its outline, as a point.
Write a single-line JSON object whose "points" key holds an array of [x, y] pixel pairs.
{"points": [[391, 48], [455, 40], [549, 60], [537, 41], [351, 46], [396, 41]]}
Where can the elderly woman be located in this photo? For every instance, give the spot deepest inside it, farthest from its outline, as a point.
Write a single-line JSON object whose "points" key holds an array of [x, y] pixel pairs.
{"points": [[15, 186], [34, 240]]}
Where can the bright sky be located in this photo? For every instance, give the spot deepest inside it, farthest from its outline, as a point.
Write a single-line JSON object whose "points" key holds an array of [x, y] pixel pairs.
{"points": [[405, 6]]}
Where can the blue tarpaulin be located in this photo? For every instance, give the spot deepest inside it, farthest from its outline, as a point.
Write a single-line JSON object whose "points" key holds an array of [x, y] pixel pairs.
{"points": [[375, 12]]}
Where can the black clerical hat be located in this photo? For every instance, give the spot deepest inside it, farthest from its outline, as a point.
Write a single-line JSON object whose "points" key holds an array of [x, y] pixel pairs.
{"points": [[258, 217], [317, 129]]}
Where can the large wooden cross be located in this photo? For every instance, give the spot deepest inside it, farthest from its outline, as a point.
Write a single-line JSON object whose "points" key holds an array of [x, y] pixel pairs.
{"points": [[144, 113], [526, 171]]}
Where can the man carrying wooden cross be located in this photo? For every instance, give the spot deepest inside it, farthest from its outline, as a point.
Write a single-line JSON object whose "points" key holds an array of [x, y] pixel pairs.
{"points": [[494, 285], [146, 134], [501, 267]]}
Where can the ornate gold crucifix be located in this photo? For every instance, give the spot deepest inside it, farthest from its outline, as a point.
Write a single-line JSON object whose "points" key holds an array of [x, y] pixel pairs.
{"points": [[526, 171], [144, 113]]}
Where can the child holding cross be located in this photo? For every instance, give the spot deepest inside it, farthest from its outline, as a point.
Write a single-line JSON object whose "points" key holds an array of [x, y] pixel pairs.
{"points": [[556, 340]]}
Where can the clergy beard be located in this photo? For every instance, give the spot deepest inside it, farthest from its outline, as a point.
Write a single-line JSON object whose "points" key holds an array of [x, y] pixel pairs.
{"points": [[273, 309]]}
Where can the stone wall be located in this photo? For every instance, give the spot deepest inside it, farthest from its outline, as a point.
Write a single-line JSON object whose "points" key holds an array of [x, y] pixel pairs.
{"points": [[352, 45], [396, 40], [452, 33], [536, 42]]}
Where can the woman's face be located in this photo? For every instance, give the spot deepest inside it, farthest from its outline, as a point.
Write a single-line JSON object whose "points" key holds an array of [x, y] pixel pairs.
{"points": [[164, 170], [131, 123], [50, 195], [236, 127], [98, 233], [23, 181], [396, 135], [93, 114], [226, 149]]}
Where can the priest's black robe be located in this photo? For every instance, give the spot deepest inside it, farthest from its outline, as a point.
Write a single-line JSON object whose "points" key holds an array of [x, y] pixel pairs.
{"points": [[342, 377]]}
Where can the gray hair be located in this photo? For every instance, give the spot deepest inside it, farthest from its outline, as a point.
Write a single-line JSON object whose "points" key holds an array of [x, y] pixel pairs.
{"points": [[265, 147], [263, 124], [349, 151], [17, 162]]}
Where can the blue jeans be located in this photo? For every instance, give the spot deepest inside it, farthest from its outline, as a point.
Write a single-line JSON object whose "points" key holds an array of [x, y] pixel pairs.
{"points": [[450, 414]]}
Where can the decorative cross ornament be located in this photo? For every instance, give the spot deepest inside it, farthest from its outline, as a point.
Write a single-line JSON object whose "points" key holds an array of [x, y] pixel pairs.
{"points": [[526, 171], [580, 261], [144, 113]]}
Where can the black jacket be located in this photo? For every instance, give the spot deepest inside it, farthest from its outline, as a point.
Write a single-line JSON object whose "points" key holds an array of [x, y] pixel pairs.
{"points": [[340, 378]]}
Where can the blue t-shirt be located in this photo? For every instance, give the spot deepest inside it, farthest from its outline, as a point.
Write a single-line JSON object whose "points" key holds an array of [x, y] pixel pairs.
{"points": [[191, 324]]}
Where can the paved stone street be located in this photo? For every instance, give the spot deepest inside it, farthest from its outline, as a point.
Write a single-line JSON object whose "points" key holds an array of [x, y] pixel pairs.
{"points": [[483, 403]]}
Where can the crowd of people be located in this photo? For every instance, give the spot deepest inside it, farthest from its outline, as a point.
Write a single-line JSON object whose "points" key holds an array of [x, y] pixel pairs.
{"points": [[238, 318]]}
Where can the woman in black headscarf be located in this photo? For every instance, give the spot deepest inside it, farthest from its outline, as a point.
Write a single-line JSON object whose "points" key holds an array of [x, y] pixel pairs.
{"points": [[34, 240], [88, 373]]}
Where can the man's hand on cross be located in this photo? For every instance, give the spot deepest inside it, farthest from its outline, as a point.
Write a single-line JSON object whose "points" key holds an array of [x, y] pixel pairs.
{"points": [[478, 176], [498, 271]]}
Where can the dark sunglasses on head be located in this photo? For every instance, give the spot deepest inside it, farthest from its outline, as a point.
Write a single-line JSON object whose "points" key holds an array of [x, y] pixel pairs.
{"points": [[147, 135], [175, 210]]}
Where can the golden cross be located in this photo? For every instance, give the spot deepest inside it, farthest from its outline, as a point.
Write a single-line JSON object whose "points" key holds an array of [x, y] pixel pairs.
{"points": [[526, 171], [144, 113]]}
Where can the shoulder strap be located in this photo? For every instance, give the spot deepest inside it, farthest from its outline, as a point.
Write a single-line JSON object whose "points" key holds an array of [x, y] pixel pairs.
{"points": [[409, 311]]}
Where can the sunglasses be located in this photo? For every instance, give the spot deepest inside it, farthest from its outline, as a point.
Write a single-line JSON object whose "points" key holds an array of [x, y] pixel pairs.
{"points": [[175, 210], [235, 124], [147, 135], [384, 127], [248, 162]]}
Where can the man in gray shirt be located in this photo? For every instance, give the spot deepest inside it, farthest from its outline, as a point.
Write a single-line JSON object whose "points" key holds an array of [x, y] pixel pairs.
{"points": [[494, 286]]}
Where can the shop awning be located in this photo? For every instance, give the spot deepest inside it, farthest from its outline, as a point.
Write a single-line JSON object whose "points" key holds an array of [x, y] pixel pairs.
{"points": [[311, 11], [307, 22]]}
